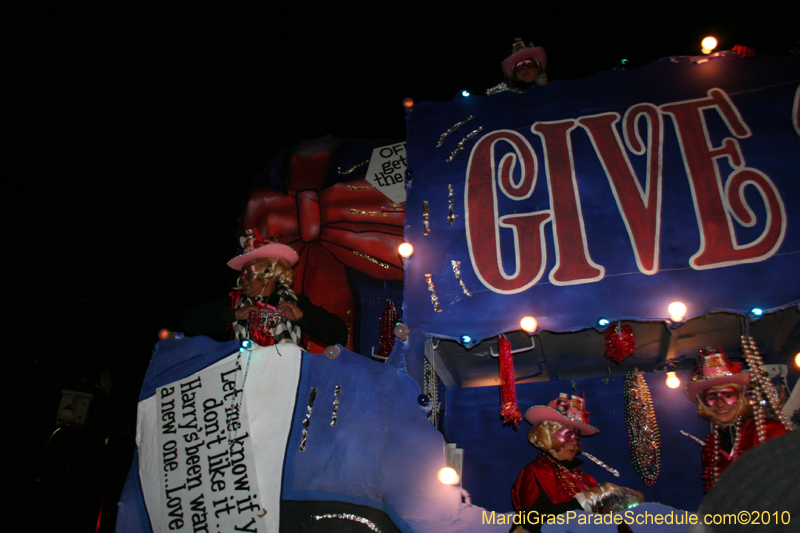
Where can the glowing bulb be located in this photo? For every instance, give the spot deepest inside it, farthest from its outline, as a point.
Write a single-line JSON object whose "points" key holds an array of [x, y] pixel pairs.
{"points": [[677, 311], [797, 360], [756, 311], [708, 44], [603, 322], [246, 344], [528, 324], [401, 332], [465, 93], [673, 381], [466, 340], [405, 250], [332, 352], [448, 476], [165, 334], [408, 103]]}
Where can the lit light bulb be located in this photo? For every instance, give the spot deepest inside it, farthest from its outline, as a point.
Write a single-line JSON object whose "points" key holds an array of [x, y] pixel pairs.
{"points": [[528, 324], [603, 322], [466, 340], [673, 381], [332, 352], [465, 93], [708, 44], [401, 332], [408, 103], [756, 311], [405, 250], [797, 360], [165, 334], [676, 310], [448, 476]]}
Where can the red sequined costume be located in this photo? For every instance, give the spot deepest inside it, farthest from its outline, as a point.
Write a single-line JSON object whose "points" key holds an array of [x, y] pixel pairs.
{"points": [[746, 440], [549, 486]]}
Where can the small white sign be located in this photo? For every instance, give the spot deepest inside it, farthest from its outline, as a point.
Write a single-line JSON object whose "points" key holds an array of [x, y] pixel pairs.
{"points": [[387, 171]]}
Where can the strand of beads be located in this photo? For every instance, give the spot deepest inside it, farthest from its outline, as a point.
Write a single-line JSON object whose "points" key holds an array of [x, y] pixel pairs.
{"points": [[766, 392], [571, 485], [644, 438]]}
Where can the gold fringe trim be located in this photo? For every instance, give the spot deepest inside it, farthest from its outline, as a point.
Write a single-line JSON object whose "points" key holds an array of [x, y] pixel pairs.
{"points": [[371, 259]]}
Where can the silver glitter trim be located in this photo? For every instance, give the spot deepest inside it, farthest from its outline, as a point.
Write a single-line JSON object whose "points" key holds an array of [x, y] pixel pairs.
{"points": [[451, 217], [600, 463], [432, 289], [452, 128], [336, 392], [431, 389], [346, 516], [460, 145], [311, 397], [457, 272]]}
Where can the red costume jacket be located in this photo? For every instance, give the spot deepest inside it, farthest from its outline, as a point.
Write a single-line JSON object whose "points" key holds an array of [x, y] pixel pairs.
{"points": [[748, 439], [560, 484]]}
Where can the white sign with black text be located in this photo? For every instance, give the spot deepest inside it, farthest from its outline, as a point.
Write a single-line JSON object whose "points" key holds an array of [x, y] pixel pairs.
{"points": [[387, 171], [198, 465]]}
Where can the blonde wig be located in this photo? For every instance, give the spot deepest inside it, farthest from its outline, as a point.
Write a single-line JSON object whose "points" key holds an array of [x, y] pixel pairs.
{"points": [[543, 436], [271, 268], [745, 409]]}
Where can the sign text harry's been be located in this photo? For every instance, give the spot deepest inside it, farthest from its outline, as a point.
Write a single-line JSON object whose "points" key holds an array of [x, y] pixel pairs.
{"points": [[209, 480]]}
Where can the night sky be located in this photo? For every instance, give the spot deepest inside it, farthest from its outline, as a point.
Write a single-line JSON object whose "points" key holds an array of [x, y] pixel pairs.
{"points": [[140, 129]]}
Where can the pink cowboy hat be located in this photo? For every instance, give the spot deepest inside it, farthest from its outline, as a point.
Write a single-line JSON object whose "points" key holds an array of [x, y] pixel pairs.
{"points": [[256, 248], [565, 410], [716, 370], [520, 51]]}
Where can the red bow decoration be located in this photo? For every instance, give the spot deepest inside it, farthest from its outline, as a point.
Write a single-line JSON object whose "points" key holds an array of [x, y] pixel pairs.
{"points": [[341, 225], [620, 342]]}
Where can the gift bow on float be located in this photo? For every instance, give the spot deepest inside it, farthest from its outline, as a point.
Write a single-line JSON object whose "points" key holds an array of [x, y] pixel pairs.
{"points": [[344, 224]]}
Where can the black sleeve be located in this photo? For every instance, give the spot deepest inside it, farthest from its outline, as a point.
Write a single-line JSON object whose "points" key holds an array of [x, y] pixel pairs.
{"points": [[209, 319], [324, 326], [544, 505]]}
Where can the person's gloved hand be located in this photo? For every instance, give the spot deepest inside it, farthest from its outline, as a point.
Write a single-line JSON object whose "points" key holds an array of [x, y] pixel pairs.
{"points": [[607, 498]]}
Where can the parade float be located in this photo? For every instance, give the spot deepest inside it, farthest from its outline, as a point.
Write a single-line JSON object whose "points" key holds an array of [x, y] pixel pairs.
{"points": [[589, 205]]}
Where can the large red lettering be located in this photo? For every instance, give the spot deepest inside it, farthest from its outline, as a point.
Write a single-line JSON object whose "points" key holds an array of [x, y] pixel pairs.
{"points": [[714, 203], [573, 264], [483, 222], [640, 207]]}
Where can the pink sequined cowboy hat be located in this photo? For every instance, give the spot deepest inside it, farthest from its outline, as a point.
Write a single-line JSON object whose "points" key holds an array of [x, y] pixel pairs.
{"points": [[521, 51], [565, 410], [256, 248], [716, 370]]}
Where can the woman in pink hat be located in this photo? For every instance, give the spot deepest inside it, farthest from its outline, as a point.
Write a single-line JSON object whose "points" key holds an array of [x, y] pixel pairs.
{"points": [[263, 307], [554, 483], [523, 69], [718, 387]]}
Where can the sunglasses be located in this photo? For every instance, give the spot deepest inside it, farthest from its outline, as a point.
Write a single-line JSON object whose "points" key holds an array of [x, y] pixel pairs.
{"points": [[249, 272], [526, 63]]}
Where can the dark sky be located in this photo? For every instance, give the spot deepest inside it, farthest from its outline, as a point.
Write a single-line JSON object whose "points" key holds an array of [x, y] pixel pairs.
{"points": [[142, 127]]}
